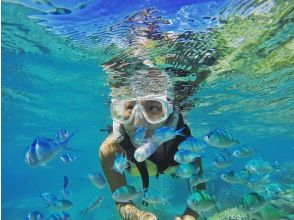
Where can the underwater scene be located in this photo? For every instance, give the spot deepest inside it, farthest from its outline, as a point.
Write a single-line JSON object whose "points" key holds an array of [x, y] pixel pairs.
{"points": [[191, 98]]}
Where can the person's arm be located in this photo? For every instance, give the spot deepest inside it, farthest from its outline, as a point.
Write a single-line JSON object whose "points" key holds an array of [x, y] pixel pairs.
{"points": [[107, 151], [190, 214]]}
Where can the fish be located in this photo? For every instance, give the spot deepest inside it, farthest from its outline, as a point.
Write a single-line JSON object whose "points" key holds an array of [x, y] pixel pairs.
{"points": [[155, 198], [139, 135], [125, 194], [223, 160], [35, 215], [235, 177], [61, 204], [68, 158], [97, 179], [220, 138], [197, 179], [252, 202], [44, 150], [120, 163], [143, 152], [59, 216], [65, 192], [92, 205], [185, 156], [261, 167], [201, 201], [272, 212], [165, 133], [192, 144], [48, 197], [244, 152], [186, 170], [62, 135], [257, 182]]}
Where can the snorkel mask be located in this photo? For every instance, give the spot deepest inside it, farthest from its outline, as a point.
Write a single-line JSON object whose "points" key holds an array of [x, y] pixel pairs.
{"points": [[154, 108]]}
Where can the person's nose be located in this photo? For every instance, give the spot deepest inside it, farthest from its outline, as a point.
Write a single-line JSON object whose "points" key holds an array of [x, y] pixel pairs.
{"points": [[139, 120]]}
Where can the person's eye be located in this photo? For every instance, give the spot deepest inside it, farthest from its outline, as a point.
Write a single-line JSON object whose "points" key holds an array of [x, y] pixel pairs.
{"points": [[154, 109]]}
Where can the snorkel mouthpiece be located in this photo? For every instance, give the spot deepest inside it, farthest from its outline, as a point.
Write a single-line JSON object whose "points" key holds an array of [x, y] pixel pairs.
{"points": [[143, 152]]}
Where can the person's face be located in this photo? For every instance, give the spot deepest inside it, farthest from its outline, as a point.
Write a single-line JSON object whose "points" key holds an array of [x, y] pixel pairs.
{"points": [[153, 110]]}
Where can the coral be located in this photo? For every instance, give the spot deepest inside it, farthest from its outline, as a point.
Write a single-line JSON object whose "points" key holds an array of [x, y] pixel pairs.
{"points": [[230, 214]]}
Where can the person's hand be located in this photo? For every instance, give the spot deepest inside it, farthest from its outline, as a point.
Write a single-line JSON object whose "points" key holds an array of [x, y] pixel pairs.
{"points": [[185, 217], [131, 212]]}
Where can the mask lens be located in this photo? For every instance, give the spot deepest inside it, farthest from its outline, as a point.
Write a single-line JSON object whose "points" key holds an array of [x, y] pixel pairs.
{"points": [[122, 110], [154, 109]]}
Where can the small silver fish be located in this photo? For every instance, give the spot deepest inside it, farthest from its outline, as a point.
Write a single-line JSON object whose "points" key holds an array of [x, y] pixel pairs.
{"points": [[44, 150], [97, 179], [197, 179], [62, 135], [120, 163], [185, 156], [68, 158], [59, 216], [235, 177], [165, 133], [61, 204], [186, 170], [125, 194], [252, 202], [257, 182], [92, 205], [220, 138], [244, 152], [35, 215], [192, 144], [223, 160], [201, 201], [48, 197], [155, 198], [260, 166]]}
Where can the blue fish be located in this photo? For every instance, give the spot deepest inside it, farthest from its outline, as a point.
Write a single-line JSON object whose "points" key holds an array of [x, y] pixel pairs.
{"points": [[67, 158], [35, 215], [220, 138], [48, 197], [65, 192], [139, 135], [120, 163], [165, 133], [192, 144], [201, 201], [185, 156], [97, 179], [62, 135], [59, 216], [61, 204], [187, 170], [44, 150], [223, 160]]}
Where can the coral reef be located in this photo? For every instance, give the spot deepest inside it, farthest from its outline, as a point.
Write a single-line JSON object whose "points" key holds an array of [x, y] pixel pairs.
{"points": [[230, 214]]}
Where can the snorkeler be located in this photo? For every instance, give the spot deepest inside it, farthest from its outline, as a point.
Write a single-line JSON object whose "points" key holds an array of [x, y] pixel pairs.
{"points": [[146, 114]]}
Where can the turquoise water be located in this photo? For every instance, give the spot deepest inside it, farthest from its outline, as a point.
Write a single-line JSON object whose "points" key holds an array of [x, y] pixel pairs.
{"points": [[54, 77]]}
